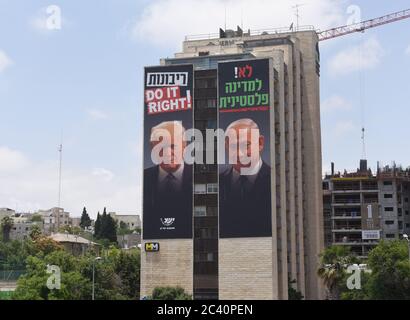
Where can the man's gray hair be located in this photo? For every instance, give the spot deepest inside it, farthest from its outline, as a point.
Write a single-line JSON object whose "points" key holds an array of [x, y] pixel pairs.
{"points": [[244, 122]]}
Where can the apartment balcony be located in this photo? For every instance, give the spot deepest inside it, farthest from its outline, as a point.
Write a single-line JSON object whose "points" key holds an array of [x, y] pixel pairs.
{"points": [[347, 230], [346, 202], [356, 243], [347, 217]]}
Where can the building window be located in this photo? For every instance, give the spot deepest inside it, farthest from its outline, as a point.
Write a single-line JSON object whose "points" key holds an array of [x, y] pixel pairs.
{"points": [[200, 211], [212, 188], [211, 103], [212, 211], [388, 209], [389, 222], [388, 183], [388, 196], [406, 199], [200, 189], [205, 83], [390, 236]]}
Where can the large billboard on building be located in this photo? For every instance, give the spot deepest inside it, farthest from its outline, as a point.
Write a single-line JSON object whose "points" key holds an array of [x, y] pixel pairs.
{"points": [[168, 181], [245, 177], [370, 221]]}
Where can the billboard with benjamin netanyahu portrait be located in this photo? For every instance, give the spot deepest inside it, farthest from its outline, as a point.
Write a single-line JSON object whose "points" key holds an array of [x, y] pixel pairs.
{"points": [[245, 178]]}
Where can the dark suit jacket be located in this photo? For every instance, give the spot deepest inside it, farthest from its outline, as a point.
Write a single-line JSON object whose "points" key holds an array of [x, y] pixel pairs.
{"points": [[247, 216], [158, 205]]}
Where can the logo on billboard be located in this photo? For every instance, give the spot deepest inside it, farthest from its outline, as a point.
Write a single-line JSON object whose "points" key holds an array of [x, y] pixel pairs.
{"points": [[167, 223], [151, 247]]}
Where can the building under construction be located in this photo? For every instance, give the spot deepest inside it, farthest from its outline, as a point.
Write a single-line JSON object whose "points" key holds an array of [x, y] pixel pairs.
{"points": [[361, 208]]}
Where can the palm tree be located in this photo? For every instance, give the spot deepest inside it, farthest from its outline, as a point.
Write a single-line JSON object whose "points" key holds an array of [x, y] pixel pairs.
{"points": [[6, 225], [333, 262]]}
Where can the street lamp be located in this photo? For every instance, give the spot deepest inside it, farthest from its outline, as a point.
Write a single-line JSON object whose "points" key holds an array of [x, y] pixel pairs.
{"points": [[95, 259], [405, 236]]}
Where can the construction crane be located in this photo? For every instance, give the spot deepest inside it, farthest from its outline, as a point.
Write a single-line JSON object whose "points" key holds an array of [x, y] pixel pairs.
{"points": [[363, 26]]}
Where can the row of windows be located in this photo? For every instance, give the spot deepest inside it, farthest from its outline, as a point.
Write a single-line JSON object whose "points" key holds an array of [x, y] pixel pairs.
{"points": [[210, 188], [390, 196], [206, 103], [399, 210], [205, 83], [204, 211], [205, 257], [206, 233]]}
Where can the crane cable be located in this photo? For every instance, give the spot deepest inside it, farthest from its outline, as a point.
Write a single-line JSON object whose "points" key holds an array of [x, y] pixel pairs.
{"points": [[362, 100]]}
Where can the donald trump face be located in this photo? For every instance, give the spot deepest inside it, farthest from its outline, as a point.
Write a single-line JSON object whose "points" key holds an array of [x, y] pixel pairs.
{"points": [[168, 145]]}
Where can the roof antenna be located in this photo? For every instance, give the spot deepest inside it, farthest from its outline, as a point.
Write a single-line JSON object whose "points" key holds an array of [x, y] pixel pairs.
{"points": [[225, 17], [296, 7], [242, 18]]}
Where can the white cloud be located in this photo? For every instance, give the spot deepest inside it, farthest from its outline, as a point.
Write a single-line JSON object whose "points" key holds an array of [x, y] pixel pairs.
{"points": [[30, 185], [166, 22], [366, 55], [103, 174], [97, 114], [5, 61], [343, 128], [336, 103]]}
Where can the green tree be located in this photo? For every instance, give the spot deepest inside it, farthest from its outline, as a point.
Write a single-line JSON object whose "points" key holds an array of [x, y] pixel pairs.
{"points": [[33, 285], [127, 266], [97, 226], [6, 226], [36, 218], [170, 293], [111, 229], [333, 263], [294, 294], [107, 227], [85, 221], [390, 277], [35, 232], [116, 275]]}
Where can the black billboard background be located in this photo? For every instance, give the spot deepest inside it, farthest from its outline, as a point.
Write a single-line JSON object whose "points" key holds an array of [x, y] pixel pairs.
{"points": [[155, 206], [247, 215]]}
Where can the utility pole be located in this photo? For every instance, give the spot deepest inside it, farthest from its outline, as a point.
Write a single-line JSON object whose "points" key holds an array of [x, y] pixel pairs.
{"points": [[60, 150]]}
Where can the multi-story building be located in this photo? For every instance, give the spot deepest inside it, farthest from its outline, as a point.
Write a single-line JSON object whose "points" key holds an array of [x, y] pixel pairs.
{"points": [[360, 208], [6, 212], [209, 266], [128, 241], [22, 227], [53, 219], [132, 221]]}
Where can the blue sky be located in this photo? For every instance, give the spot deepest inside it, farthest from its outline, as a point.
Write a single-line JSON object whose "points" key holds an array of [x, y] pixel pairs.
{"points": [[84, 82]]}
